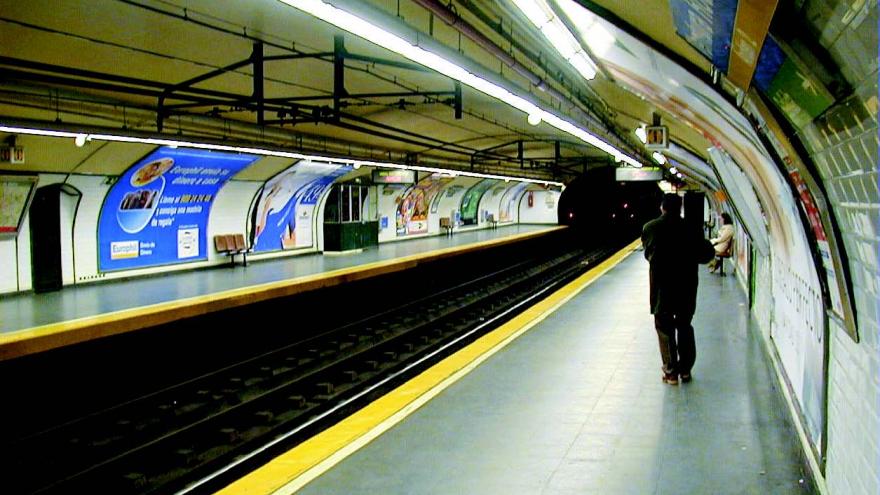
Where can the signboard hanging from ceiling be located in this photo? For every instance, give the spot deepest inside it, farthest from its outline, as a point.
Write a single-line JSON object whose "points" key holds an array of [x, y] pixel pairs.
{"points": [[394, 176], [656, 137], [630, 174]]}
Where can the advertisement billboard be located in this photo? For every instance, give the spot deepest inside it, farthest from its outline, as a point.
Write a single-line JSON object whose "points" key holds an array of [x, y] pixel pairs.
{"points": [[510, 201], [285, 209], [157, 212], [412, 206], [470, 202]]}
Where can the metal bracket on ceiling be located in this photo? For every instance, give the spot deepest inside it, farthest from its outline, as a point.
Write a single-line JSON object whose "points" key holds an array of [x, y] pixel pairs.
{"points": [[340, 97], [557, 163]]}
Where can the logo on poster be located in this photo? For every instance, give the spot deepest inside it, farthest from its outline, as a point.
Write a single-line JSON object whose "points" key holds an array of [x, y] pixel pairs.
{"points": [[123, 249], [188, 242]]}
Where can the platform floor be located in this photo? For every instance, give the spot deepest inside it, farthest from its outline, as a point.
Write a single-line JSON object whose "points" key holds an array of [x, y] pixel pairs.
{"points": [[28, 310], [576, 406]]}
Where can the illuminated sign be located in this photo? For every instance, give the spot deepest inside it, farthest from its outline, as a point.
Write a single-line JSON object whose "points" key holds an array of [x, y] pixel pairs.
{"points": [[11, 154], [157, 212], [394, 176], [656, 137], [629, 174]]}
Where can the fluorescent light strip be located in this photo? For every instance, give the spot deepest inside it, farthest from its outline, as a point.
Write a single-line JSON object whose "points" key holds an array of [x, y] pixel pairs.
{"points": [[265, 152], [362, 28], [543, 17], [658, 157]]}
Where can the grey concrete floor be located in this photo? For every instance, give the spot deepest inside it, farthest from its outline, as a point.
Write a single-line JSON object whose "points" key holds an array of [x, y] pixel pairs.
{"points": [[576, 406]]}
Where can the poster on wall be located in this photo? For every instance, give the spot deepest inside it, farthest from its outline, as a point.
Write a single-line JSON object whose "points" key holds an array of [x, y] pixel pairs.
{"points": [[707, 26], [470, 202], [412, 206], [15, 195], [283, 218], [509, 202], [157, 212], [743, 254]]}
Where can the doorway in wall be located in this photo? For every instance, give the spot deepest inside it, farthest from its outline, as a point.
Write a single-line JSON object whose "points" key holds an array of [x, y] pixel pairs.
{"points": [[51, 225]]}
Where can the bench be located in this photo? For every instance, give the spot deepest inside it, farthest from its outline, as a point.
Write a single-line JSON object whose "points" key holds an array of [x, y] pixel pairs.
{"points": [[230, 245], [720, 257], [490, 219], [446, 223]]}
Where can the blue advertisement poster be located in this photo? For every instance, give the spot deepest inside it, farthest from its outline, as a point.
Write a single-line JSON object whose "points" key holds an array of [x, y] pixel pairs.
{"points": [[707, 25], [157, 212], [286, 208]]}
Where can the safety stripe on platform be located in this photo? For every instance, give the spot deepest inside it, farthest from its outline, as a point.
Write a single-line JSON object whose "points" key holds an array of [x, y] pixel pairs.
{"points": [[295, 468], [43, 338]]}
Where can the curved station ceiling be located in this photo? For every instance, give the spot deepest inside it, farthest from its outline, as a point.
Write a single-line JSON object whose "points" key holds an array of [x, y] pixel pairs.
{"points": [[450, 85], [711, 94]]}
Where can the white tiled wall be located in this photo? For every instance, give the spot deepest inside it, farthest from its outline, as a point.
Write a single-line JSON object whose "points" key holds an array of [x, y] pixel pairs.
{"points": [[542, 209], [85, 231], [843, 144], [229, 213]]}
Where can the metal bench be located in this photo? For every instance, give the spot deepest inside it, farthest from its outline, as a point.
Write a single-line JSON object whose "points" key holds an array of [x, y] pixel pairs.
{"points": [[230, 245], [720, 257], [446, 223]]}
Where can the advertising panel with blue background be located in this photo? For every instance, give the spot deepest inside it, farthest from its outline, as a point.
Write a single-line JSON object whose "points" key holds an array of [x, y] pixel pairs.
{"points": [[157, 212], [286, 208]]}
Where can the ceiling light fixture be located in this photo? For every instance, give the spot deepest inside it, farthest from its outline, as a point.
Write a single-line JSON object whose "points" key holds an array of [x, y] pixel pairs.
{"points": [[261, 152], [363, 28], [555, 30], [642, 134], [658, 157]]}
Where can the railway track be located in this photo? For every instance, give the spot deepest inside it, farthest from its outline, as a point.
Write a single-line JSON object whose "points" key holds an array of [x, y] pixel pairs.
{"points": [[197, 435]]}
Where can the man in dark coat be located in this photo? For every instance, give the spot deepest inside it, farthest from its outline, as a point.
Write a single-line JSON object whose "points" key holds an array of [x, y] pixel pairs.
{"points": [[674, 248]]}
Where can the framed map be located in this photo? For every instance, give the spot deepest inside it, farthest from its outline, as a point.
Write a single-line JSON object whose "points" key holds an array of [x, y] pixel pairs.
{"points": [[15, 196]]}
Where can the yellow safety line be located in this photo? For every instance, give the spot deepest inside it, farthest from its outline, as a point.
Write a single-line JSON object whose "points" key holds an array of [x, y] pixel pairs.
{"points": [[54, 335], [295, 468]]}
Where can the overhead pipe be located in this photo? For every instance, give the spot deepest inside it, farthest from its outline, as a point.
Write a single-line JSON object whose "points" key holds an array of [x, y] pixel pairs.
{"points": [[465, 28]]}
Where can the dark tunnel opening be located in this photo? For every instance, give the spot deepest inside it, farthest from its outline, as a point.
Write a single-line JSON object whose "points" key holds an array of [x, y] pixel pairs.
{"points": [[596, 204]]}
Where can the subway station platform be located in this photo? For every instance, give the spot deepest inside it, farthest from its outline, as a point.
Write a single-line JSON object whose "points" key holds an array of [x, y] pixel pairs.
{"points": [[33, 323], [567, 399]]}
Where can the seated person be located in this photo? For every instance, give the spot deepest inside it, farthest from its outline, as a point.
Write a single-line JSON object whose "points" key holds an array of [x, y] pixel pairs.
{"points": [[722, 242]]}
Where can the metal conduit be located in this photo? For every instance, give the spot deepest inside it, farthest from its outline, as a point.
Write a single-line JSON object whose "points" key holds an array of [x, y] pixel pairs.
{"points": [[465, 28]]}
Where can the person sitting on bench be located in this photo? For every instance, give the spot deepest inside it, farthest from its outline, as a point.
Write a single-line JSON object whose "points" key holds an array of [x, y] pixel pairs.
{"points": [[722, 242]]}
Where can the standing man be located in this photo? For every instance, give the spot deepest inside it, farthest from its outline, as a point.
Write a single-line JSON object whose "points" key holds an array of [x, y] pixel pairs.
{"points": [[674, 248]]}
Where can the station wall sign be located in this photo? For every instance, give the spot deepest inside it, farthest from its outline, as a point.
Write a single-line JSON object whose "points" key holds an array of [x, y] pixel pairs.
{"points": [[16, 192]]}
